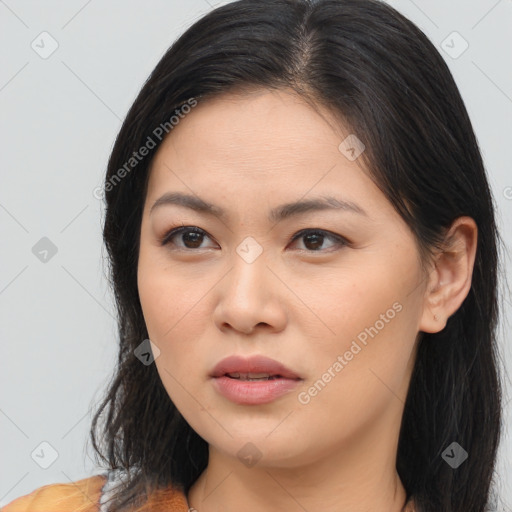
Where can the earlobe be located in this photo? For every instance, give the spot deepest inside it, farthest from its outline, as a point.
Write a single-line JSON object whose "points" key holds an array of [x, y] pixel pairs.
{"points": [[450, 280]]}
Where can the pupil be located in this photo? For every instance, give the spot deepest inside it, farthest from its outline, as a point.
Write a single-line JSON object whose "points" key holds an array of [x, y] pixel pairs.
{"points": [[315, 237], [195, 238]]}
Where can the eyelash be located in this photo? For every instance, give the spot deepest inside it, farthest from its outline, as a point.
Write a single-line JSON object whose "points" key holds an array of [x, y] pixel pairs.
{"points": [[340, 241]]}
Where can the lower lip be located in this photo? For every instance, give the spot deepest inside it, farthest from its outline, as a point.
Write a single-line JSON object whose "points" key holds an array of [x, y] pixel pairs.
{"points": [[253, 392]]}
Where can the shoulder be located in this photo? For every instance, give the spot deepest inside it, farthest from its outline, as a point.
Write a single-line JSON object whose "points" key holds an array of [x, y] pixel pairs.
{"points": [[91, 495], [79, 496]]}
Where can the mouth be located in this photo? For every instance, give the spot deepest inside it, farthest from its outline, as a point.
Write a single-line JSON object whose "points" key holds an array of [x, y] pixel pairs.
{"points": [[255, 380]]}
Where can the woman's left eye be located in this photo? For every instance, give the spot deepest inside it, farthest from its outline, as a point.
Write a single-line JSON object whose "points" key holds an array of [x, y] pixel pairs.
{"points": [[315, 237], [194, 236]]}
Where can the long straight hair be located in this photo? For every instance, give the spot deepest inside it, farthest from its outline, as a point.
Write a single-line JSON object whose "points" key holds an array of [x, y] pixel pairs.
{"points": [[380, 74]]}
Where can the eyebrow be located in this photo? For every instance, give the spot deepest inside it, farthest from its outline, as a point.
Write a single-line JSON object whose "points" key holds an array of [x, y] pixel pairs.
{"points": [[276, 214]]}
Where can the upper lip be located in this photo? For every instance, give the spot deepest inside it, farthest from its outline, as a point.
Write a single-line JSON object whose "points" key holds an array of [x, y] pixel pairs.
{"points": [[253, 364]]}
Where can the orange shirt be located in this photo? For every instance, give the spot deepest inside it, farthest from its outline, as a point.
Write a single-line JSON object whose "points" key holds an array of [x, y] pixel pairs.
{"points": [[84, 496]]}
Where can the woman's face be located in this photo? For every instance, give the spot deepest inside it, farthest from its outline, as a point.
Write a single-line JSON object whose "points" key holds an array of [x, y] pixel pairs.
{"points": [[340, 304]]}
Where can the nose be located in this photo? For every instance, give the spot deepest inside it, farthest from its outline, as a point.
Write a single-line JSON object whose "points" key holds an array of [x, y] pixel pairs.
{"points": [[249, 298]]}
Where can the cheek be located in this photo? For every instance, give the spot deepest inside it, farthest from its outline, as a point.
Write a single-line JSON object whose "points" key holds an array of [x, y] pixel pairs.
{"points": [[174, 317], [345, 302], [172, 304], [372, 323], [362, 373]]}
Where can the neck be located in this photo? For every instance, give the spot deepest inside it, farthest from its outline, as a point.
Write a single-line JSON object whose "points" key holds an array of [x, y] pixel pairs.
{"points": [[354, 478]]}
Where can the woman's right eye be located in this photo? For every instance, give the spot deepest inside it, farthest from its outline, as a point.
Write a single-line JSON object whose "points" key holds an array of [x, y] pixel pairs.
{"points": [[192, 236]]}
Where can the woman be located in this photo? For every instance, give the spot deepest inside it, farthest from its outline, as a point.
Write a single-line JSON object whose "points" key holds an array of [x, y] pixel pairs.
{"points": [[304, 257]]}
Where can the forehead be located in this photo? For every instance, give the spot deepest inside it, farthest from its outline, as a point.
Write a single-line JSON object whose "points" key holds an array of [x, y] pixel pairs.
{"points": [[265, 125], [268, 146]]}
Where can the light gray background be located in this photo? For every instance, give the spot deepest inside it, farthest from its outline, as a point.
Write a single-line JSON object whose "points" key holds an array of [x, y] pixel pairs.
{"points": [[59, 118]]}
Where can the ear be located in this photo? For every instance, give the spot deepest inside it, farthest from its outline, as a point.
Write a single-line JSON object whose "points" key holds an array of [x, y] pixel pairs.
{"points": [[450, 280]]}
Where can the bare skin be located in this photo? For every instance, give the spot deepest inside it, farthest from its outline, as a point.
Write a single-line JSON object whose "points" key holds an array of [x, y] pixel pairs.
{"points": [[302, 302]]}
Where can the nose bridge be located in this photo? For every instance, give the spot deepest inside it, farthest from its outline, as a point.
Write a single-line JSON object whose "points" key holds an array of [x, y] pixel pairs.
{"points": [[249, 268], [245, 296], [248, 296]]}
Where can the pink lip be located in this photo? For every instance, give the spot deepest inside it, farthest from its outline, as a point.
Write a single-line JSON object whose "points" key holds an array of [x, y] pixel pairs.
{"points": [[253, 392]]}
